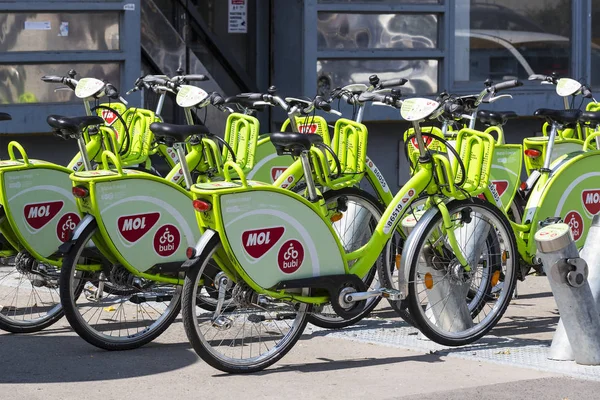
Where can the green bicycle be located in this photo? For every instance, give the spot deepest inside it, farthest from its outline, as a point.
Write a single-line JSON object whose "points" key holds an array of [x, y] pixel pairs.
{"points": [[281, 252]]}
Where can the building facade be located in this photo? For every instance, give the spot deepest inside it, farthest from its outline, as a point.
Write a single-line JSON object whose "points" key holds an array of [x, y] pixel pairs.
{"points": [[303, 47]]}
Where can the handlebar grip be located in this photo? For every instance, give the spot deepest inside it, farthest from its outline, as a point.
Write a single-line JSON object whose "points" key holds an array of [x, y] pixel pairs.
{"points": [[216, 99], [52, 79], [537, 77], [370, 96], [251, 96], [392, 83], [505, 85], [195, 77], [112, 91], [155, 79], [586, 92], [322, 104]]}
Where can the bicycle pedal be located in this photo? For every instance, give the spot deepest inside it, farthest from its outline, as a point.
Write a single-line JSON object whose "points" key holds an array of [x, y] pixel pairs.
{"points": [[223, 323], [392, 294]]}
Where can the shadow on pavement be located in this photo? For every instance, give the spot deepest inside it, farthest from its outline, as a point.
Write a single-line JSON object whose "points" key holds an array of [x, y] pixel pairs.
{"points": [[338, 365], [44, 358]]}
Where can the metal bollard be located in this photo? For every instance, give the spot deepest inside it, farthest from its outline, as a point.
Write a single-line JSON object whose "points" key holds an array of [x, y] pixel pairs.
{"points": [[561, 348], [567, 273]]}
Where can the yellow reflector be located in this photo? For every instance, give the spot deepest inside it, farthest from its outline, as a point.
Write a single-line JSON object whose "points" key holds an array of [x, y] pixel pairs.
{"points": [[336, 217], [504, 256], [109, 308], [398, 259], [428, 280], [495, 278]]}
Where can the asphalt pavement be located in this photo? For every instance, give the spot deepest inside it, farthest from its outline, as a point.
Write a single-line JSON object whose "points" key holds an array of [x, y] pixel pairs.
{"points": [[381, 357]]}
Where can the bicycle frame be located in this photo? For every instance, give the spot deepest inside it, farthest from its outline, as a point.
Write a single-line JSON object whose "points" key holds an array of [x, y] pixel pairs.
{"points": [[261, 221]]}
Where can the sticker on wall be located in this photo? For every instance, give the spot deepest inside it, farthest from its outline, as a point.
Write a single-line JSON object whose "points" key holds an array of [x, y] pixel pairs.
{"points": [[238, 17], [63, 29], [38, 25], [129, 7]]}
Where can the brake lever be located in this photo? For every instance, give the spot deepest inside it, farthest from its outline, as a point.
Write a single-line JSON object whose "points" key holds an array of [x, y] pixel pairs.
{"points": [[261, 103], [62, 88], [494, 98], [546, 83], [335, 112], [380, 103]]}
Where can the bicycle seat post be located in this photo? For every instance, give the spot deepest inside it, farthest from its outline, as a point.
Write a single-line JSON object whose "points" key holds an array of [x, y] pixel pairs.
{"points": [[419, 137], [180, 149], [310, 183], [83, 151], [551, 138]]}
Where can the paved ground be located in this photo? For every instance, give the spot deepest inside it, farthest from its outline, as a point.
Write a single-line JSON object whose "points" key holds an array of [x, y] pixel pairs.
{"points": [[380, 357]]}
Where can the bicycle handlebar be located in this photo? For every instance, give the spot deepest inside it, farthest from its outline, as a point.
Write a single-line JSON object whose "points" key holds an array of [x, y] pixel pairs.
{"points": [[390, 83], [504, 85]]}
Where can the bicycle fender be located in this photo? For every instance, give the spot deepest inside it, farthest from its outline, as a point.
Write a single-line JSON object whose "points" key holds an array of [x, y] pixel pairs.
{"points": [[411, 250], [208, 239], [84, 223]]}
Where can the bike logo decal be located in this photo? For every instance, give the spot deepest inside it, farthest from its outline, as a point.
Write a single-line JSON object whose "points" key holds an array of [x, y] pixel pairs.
{"points": [[133, 227], [591, 200], [378, 175], [172, 154], [500, 186], [66, 224], [38, 215], [109, 117], [276, 173], [290, 257], [398, 210], [575, 222], [166, 240], [258, 242], [426, 141], [287, 182], [308, 128]]}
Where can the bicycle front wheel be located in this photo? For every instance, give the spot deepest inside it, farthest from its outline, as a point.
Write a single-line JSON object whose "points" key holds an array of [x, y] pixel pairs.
{"points": [[454, 305]]}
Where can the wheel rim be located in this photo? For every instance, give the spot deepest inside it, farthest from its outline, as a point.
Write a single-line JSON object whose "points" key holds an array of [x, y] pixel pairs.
{"points": [[28, 299], [227, 339], [491, 295], [354, 229], [122, 313]]}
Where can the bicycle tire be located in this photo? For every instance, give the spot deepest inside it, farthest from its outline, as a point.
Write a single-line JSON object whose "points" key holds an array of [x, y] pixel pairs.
{"points": [[94, 333], [355, 195], [209, 349], [421, 248]]}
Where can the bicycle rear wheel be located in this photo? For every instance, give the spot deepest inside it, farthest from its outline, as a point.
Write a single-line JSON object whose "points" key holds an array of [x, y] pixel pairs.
{"points": [[130, 313], [250, 333], [29, 298], [360, 213], [451, 306]]}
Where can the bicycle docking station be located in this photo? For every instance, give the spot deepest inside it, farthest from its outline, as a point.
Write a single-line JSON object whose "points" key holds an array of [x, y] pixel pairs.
{"points": [[575, 283]]}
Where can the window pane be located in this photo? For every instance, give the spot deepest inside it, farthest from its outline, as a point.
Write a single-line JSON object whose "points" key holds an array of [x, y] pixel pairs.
{"points": [[59, 31], [377, 31], [22, 83], [422, 75], [595, 43], [507, 39]]}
